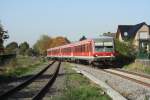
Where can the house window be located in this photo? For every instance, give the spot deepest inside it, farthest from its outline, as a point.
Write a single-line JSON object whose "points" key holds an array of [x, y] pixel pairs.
{"points": [[144, 35], [125, 33]]}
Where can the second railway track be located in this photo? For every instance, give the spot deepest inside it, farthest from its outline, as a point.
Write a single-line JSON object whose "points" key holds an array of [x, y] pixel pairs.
{"points": [[138, 78], [131, 86], [34, 86]]}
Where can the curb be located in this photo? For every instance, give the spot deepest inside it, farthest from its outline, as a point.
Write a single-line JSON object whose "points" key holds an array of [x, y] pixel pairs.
{"points": [[112, 93]]}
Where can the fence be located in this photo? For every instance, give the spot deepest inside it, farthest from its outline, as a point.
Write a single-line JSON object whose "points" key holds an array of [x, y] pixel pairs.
{"points": [[145, 62], [142, 55]]}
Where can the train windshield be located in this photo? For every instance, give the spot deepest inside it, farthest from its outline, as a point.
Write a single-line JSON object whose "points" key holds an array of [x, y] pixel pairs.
{"points": [[104, 46]]}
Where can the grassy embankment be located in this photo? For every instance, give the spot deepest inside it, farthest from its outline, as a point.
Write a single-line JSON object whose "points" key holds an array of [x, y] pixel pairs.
{"points": [[137, 67], [19, 66], [79, 87]]}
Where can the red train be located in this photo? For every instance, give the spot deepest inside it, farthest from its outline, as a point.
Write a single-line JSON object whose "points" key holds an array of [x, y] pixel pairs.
{"points": [[91, 50]]}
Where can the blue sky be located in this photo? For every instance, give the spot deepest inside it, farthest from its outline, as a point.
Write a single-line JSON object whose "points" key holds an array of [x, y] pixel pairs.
{"points": [[27, 20]]}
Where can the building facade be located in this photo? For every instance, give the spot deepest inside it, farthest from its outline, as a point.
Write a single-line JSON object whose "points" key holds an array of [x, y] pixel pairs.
{"points": [[138, 34]]}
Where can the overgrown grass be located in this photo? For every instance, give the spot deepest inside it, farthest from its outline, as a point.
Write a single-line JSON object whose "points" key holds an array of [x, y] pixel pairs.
{"points": [[79, 87], [19, 66], [137, 67], [18, 71]]}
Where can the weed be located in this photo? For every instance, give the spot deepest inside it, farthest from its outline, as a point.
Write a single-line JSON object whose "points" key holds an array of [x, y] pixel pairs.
{"points": [[137, 67], [79, 87]]}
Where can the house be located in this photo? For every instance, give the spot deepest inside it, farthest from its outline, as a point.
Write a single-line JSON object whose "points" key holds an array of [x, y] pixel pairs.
{"points": [[139, 34]]}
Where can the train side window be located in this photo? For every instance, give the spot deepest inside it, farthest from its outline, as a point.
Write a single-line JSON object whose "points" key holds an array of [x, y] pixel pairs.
{"points": [[87, 48], [83, 48]]}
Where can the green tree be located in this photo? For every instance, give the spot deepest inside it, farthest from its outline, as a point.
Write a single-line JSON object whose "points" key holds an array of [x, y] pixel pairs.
{"points": [[12, 47], [126, 52], [23, 47], [30, 52], [42, 45], [109, 34], [82, 38], [45, 42]]}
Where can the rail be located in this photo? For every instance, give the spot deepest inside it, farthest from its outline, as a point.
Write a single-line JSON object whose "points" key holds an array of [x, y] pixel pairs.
{"points": [[45, 89], [24, 84], [138, 78]]}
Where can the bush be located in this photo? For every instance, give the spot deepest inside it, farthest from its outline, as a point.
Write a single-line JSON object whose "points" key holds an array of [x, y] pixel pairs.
{"points": [[126, 52]]}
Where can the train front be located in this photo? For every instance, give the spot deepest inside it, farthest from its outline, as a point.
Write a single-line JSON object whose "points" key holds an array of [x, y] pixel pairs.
{"points": [[104, 49]]}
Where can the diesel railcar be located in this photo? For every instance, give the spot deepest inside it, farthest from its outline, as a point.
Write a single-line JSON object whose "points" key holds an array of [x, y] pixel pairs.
{"points": [[99, 50]]}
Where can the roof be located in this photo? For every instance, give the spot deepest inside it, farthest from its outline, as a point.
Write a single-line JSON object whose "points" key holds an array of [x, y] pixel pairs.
{"points": [[103, 39], [130, 29], [71, 44]]}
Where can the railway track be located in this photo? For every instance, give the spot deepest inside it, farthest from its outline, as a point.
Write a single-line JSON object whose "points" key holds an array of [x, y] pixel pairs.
{"points": [[138, 78], [132, 86], [39, 95]]}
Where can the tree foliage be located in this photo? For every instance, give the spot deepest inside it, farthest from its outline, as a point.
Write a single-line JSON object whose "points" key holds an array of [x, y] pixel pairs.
{"points": [[125, 49], [3, 36], [23, 47], [126, 52], [109, 34], [58, 41], [46, 42], [30, 52], [42, 44], [82, 38], [11, 47]]}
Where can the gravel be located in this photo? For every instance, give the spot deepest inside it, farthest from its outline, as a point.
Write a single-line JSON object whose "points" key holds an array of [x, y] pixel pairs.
{"points": [[13, 82], [128, 88], [31, 90], [59, 85]]}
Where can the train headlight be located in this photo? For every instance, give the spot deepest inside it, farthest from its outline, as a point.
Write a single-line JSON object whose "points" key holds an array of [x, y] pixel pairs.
{"points": [[95, 55], [112, 54]]}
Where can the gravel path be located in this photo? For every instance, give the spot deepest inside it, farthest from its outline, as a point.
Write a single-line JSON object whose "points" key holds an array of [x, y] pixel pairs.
{"points": [[127, 88]]}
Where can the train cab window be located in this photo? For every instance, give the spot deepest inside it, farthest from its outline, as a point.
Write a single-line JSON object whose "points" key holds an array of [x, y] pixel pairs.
{"points": [[99, 48], [103, 48], [108, 48]]}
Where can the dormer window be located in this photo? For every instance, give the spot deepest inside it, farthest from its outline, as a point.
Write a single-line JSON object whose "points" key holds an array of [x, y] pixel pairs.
{"points": [[125, 33]]}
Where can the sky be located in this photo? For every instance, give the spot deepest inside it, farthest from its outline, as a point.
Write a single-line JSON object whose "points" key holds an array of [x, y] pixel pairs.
{"points": [[27, 20]]}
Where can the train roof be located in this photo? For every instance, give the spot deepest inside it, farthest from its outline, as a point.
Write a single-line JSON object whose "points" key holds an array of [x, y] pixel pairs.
{"points": [[100, 39], [103, 39], [71, 44]]}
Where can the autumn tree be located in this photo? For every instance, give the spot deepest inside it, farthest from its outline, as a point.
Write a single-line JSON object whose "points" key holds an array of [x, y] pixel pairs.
{"points": [[58, 41], [42, 44], [46, 42]]}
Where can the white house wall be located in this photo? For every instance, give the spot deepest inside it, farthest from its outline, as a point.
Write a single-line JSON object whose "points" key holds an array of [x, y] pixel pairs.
{"points": [[120, 37], [144, 28]]}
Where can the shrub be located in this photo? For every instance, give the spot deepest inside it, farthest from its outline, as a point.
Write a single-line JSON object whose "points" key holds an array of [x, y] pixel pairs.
{"points": [[126, 52]]}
